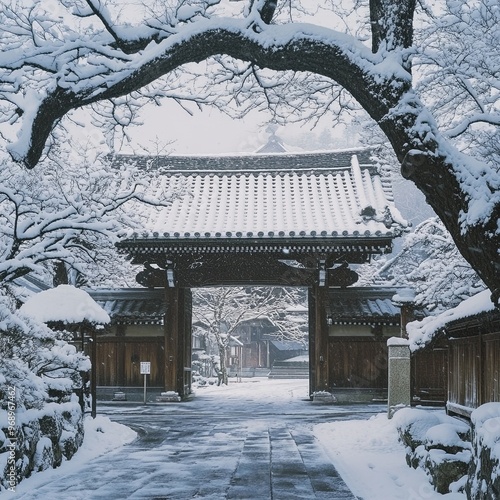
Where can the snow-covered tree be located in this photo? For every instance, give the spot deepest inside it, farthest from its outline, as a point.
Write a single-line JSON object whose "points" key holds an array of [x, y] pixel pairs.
{"points": [[37, 361], [431, 264], [69, 211], [457, 68], [113, 57], [220, 310]]}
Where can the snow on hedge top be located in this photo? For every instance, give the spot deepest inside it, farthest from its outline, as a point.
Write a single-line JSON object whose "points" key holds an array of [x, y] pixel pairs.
{"points": [[64, 303], [421, 332]]}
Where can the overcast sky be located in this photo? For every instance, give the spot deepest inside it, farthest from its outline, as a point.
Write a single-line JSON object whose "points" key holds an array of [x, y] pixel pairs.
{"points": [[212, 132]]}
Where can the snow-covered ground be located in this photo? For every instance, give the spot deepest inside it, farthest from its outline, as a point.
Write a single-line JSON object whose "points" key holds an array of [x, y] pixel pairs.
{"points": [[101, 436], [365, 451], [371, 461]]}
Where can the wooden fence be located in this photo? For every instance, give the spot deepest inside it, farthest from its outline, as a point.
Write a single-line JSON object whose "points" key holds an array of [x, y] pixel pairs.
{"points": [[474, 372], [429, 373], [357, 362], [118, 361]]}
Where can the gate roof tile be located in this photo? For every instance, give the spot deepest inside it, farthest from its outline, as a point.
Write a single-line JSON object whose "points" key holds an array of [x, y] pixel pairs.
{"points": [[271, 196]]}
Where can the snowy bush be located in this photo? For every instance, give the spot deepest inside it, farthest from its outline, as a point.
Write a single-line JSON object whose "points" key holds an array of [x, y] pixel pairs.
{"points": [[40, 416], [437, 443], [37, 361], [484, 475], [454, 455]]}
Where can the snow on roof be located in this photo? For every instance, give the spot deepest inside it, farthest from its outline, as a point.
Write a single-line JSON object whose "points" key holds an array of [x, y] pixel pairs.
{"points": [[311, 195], [64, 303], [298, 308], [273, 145], [363, 304], [249, 162], [287, 345], [422, 332], [132, 305], [235, 341]]}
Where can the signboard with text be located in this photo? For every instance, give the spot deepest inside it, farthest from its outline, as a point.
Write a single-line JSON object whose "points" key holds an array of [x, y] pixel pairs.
{"points": [[145, 367]]}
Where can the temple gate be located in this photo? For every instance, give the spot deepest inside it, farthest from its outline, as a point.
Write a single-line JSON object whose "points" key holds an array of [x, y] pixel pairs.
{"points": [[263, 219]]}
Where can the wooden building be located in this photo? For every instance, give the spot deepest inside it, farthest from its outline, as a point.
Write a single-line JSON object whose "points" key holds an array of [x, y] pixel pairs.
{"points": [[136, 333], [465, 342], [360, 321], [262, 347], [263, 219]]}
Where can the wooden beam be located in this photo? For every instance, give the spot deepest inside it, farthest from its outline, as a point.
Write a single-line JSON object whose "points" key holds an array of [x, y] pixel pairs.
{"points": [[312, 340], [319, 329], [184, 313], [258, 270], [187, 340], [171, 339], [178, 341], [120, 357]]}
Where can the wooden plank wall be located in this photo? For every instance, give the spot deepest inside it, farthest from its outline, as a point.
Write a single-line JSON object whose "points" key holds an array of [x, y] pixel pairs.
{"points": [[430, 376], [474, 370], [464, 382], [491, 383], [357, 362], [118, 361]]}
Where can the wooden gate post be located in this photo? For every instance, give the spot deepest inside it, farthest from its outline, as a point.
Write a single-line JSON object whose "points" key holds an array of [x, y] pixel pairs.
{"points": [[171, 338], [178, 341], [318, 340], [185, 342]]}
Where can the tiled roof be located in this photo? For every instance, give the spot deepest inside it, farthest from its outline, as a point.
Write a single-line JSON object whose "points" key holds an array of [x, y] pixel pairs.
{"points": [[363, 305], [272, 162], [272, 196], [288, 345], [132, 305]]}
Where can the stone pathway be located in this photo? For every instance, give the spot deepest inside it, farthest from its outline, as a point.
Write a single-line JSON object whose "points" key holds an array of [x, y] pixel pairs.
{"points": [[210, 450]]}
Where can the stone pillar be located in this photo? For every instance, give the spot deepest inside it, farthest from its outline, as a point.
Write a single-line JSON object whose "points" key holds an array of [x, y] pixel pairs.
{"points": [[399, 390]]}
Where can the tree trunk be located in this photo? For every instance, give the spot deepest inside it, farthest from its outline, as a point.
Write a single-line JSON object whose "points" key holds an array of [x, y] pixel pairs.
{"points": [[440, 173], [222, 373]]}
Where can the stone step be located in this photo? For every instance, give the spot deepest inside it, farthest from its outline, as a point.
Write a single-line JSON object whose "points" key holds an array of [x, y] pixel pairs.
{"points": [[299, 364], [289, 370], [279, 463]]}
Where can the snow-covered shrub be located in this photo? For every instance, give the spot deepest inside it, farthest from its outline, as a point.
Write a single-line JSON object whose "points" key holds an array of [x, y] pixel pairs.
{"points": [[437, 443], [484, 474], [454, 455], [38, 362], [40, 416]]}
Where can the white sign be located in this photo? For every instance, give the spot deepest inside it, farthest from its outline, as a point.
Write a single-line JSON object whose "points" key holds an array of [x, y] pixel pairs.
{"points": [[145, 367]]}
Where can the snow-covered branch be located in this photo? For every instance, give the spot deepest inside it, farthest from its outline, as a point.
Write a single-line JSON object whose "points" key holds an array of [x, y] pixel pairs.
{"points": [[56, 211], [52, 64], [431, 264]]}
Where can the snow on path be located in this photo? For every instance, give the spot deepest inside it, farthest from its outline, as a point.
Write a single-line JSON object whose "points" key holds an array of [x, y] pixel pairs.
{"points": [[372, 462], [365, 452]]}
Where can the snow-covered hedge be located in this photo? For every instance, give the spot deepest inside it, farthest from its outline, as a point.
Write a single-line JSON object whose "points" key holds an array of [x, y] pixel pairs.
{"points": [[456, 456], [437, 443], [38, 439], [41, 419], [484, 473]]}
